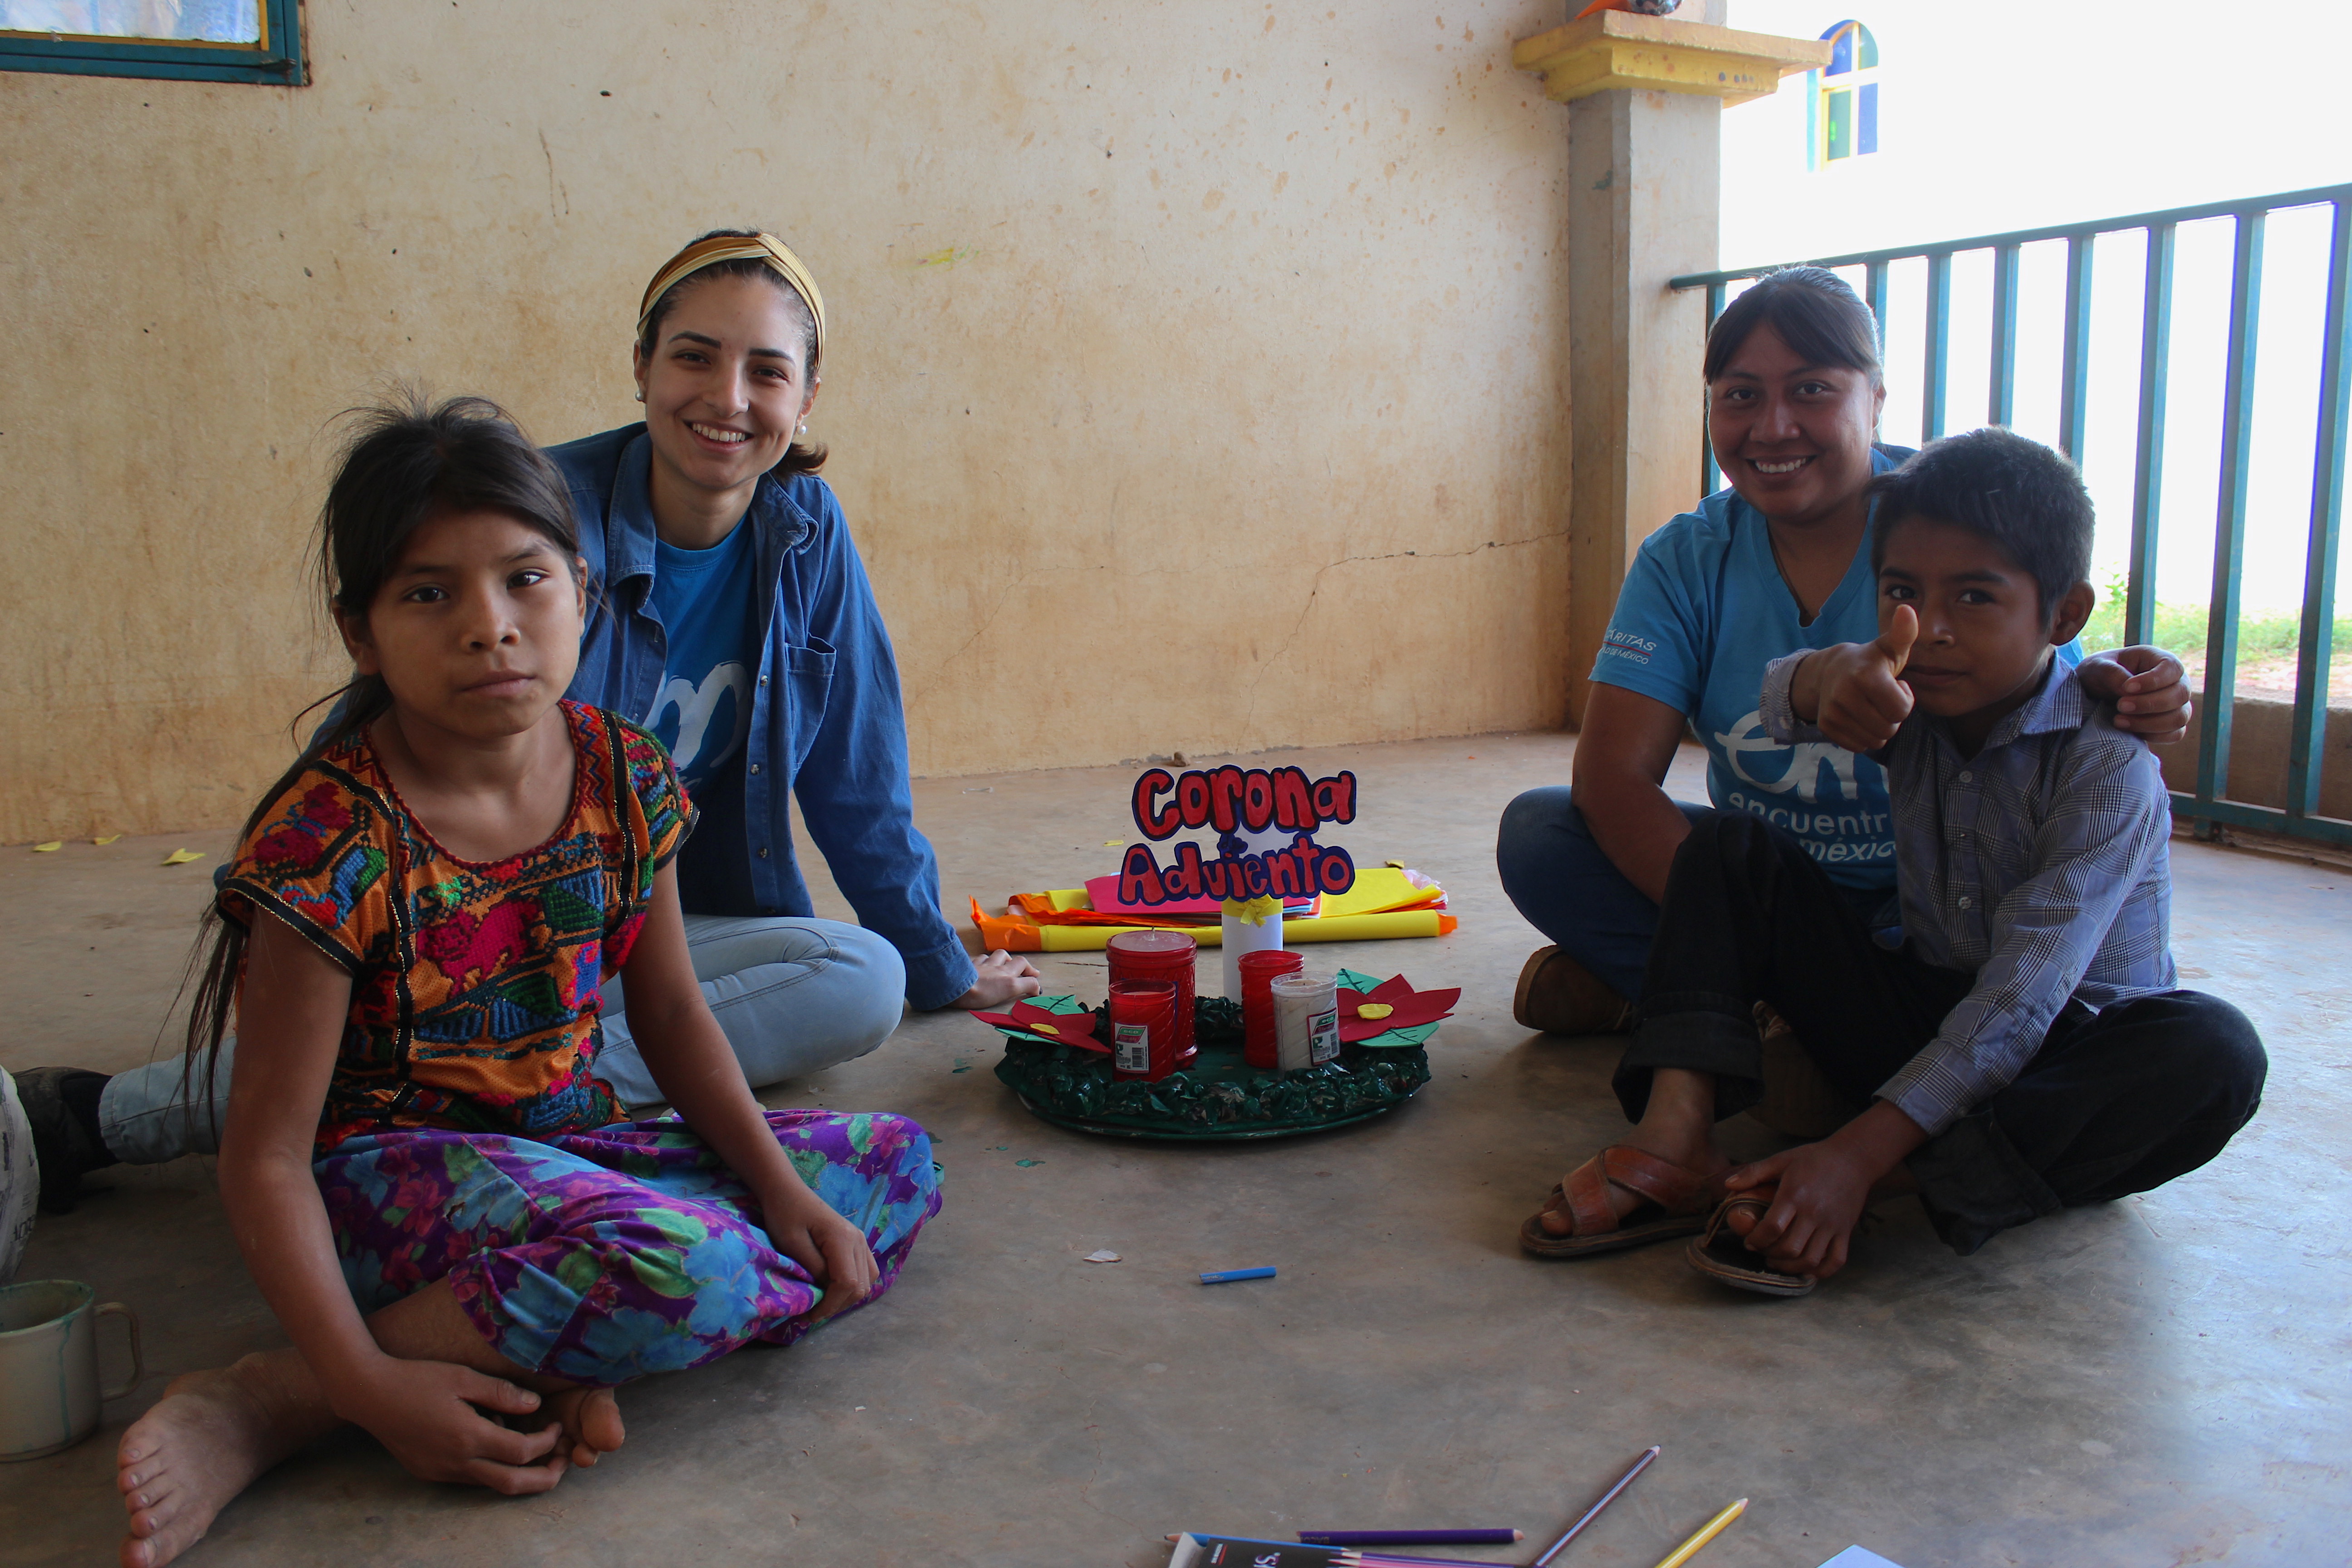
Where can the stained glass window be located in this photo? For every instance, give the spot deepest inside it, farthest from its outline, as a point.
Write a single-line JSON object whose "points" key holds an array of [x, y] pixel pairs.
{"points": [[1841, 118]]}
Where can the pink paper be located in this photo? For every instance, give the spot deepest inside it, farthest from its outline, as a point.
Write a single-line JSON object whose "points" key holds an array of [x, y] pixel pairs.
{"points": [[1103, 893]]}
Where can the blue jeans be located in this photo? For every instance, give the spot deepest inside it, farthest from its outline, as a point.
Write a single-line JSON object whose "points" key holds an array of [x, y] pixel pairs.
{"points": [[794, 997], [1554, 872]]}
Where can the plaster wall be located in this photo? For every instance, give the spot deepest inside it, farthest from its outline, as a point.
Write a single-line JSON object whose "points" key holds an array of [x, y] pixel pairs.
{"points": [[1642, 178], [1198, 373]]}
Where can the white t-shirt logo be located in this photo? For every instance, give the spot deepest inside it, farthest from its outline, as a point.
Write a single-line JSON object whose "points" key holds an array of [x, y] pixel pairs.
{"points": [[696, 707], [1806, 759]]}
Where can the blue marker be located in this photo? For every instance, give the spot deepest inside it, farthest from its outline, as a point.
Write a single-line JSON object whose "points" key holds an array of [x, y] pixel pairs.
{"points": [[1228, 1276]]}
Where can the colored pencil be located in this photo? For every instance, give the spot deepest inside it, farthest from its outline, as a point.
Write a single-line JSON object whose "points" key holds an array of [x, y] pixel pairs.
{"points": [[1409, 1537], [1593, 1512], [1351, 1557], [1227, 1276], [1707, 1532]]}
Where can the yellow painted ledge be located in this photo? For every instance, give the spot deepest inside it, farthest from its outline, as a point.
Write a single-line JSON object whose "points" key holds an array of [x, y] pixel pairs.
{"points": [[1618, 48]]}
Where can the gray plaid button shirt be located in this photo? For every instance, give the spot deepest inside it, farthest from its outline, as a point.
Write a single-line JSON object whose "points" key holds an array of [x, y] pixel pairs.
{"points": [[2040, 865]]}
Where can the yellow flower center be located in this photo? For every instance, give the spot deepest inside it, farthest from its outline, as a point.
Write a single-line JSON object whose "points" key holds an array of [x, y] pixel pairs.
{"points": [[1047, 1029], [1374, 1010]]}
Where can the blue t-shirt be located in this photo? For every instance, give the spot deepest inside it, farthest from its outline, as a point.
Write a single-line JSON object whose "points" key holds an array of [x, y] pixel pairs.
{"points": [[704, 600], [1703, 611]]}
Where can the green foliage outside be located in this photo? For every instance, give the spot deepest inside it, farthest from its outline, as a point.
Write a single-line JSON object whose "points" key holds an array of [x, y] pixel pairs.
{"points": [[2181, 628]]}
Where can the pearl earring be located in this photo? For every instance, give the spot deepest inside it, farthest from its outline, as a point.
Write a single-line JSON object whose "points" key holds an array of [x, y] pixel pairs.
{"points": [[641, 397]]}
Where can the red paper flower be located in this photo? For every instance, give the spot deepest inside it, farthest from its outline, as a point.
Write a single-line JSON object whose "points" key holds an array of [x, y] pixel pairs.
{"points": [[1392, 1004], [1063, 1028]]}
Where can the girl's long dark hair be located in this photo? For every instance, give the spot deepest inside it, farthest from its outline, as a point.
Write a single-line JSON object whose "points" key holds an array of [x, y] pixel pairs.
{"points": [[403, 463]]}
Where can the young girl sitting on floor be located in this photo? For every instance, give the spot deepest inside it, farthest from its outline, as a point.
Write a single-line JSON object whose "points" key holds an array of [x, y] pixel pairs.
{"points": [[444, 1205]]}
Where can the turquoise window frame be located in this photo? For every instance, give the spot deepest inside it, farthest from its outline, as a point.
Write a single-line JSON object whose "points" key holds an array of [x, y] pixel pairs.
{"points": [[275, 61]]}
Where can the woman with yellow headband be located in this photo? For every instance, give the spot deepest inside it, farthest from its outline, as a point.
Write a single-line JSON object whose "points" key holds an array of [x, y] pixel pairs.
{"points": [[736, 622], [732, 618]]}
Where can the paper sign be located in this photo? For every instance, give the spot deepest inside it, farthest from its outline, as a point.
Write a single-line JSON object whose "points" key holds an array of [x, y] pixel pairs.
{"points": [[1280, 808]]}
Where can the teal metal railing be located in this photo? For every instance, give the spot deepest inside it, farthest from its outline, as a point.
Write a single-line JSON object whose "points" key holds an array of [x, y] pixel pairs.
{"points": [[2208, 803]]}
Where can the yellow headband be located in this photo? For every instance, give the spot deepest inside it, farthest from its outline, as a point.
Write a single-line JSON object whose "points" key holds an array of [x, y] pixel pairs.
{"points": [[764, 248]]}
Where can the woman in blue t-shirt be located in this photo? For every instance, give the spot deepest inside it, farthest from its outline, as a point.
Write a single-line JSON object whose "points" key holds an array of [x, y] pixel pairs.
{"points": [[732, 616], [1777, 563]]}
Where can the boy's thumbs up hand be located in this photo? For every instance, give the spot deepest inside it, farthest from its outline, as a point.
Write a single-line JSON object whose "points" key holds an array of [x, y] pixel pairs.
{"points": [[1851, 690], [1895, 642]]}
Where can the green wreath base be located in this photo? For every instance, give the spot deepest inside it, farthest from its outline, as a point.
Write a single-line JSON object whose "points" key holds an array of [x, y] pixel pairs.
{"points": [[1219, 1096]]}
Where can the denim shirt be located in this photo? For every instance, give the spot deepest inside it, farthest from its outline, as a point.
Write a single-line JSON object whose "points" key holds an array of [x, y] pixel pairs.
{"points": [[826, 722]]}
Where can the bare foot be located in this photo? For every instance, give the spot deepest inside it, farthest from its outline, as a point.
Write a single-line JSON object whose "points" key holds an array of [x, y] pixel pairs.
{"points": [[591, 1420], [213, 1433]]}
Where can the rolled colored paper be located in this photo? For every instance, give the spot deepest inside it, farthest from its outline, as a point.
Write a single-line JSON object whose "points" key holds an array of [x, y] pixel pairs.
{"points": [[1381, 904], [1305, 1021], [1227, 1276], [1018, 936]]}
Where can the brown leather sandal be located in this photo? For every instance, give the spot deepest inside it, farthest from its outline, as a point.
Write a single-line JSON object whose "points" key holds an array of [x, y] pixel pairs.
{"points": [[1721, 1253], [1676, 1203]]}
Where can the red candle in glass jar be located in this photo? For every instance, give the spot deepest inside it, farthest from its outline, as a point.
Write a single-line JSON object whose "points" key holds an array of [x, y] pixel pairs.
{"points": [[1142, 1028], [1159, 954], [1258, 969]]}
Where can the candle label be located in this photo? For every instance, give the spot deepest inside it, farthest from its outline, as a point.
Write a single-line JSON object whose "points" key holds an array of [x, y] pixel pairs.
{"points": [[1131, 1046], [1323, 1037], [1233, 801]]}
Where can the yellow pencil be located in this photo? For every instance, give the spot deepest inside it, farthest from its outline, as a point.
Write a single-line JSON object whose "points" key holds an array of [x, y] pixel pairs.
{"points": [[1707, 1532]]}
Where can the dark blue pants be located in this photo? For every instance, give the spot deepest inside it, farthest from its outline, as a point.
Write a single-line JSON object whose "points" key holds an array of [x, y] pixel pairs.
{"points": [[1554, 872], [2116, 1101]]}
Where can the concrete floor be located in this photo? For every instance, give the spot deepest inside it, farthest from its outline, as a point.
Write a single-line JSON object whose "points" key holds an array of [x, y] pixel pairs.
{"points": [[2160, 1381]]}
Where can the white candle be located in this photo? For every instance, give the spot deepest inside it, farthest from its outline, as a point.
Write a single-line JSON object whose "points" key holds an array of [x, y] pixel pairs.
{"points": [[1305, 1021], [1240, 937]]}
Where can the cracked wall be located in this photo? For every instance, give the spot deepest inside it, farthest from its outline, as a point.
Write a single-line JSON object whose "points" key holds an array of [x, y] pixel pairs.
{"points": [[1198, 375]]}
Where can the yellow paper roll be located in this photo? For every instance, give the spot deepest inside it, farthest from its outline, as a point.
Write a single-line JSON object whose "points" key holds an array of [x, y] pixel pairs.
{"points": [[1345, 927]]}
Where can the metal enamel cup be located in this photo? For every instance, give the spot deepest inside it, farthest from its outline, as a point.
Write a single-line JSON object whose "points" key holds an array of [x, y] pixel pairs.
{"points": [[50, 1393]]}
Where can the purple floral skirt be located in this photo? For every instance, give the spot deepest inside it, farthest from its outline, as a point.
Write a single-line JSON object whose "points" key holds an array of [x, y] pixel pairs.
{"points": [[601, 1256]]}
